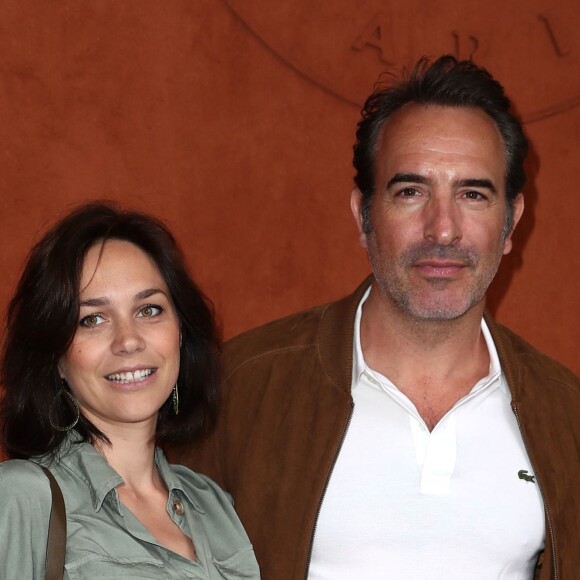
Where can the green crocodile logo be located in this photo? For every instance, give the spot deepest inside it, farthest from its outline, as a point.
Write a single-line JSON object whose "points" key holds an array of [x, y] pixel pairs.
{"points": [[523, 474]]}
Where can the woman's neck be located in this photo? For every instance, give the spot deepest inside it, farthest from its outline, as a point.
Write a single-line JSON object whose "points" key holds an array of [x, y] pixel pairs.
{"points": [[132, 455]]}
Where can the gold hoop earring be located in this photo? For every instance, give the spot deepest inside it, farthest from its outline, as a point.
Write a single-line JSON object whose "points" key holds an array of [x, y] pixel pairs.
{"points": [[175, 399], [61, 393]]}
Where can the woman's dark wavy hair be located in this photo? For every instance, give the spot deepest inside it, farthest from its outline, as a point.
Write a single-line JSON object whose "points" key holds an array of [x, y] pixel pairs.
{"points": [[42, 319], [450, 83]]}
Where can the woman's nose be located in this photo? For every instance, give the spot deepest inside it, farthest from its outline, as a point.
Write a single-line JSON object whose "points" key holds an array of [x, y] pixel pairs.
{"points": [[128, 339]]}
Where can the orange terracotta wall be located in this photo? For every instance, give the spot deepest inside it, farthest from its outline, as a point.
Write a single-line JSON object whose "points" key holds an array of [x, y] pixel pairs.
{"points": [[233, 120]]}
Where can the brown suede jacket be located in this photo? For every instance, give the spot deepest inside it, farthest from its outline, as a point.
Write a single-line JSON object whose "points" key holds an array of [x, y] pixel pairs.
{"points": [[286, 408]]}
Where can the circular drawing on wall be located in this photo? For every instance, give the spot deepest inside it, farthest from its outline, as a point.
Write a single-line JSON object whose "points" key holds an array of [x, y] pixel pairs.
{"points": [[344, 45]]}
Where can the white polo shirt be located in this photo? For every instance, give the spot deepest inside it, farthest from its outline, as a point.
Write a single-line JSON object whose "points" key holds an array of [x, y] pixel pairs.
{"points": [[405, 503]]}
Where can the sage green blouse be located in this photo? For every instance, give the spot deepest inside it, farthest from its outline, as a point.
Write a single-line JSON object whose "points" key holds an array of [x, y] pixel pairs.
{"points": [[104, 539]]}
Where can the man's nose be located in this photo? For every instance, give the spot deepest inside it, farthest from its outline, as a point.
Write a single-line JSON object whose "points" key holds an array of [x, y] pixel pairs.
{"points": [[442, 223]]}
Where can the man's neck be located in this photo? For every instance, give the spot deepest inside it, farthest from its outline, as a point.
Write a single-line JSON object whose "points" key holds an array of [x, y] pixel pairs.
{"points": [[435, 363]]}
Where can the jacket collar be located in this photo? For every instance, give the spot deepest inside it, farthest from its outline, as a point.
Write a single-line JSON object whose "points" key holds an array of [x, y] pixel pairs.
{"points": [[336, 337]]}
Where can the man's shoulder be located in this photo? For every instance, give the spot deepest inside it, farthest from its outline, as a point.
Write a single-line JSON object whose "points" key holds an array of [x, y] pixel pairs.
{"points": [[518, 351], [297, 332]]}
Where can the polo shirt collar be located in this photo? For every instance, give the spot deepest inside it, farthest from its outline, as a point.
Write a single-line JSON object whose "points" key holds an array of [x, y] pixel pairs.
{"points": [[359, 365], [358, 362]]}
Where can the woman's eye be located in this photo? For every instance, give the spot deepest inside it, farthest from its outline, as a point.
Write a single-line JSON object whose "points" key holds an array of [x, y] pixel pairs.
{"points": [[91, 320], [150, 311]]}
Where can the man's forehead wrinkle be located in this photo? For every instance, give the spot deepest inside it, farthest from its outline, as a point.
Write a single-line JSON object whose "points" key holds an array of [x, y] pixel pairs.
{"points": [[426, 168], [435, 143]]}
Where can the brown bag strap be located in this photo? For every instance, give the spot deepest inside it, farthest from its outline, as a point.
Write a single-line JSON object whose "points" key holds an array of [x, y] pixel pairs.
{"points": [[56, 545]]}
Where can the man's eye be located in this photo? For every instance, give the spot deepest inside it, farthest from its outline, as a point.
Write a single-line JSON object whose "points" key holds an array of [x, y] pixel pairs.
{"points": [[476, 195], [91, 320], [408, 192], [150, 311]]}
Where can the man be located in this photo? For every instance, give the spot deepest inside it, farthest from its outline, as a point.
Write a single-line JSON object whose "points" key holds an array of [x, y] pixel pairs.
{"points": [[400, 432]]}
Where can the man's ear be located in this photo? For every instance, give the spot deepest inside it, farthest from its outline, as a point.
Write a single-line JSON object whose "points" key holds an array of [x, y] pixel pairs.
{"points": [[356, 208], [518, 210]]}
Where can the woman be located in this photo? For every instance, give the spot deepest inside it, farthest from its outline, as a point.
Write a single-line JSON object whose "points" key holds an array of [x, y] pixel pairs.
{"points": [[109, 351]]}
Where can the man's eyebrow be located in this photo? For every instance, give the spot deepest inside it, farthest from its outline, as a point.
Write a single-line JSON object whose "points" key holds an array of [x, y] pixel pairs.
{"points": [[483, 183], [407, 178], [416, 178]]}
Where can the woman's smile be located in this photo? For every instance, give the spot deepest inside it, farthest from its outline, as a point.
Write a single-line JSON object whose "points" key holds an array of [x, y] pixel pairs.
{"points": [[129, 377]]}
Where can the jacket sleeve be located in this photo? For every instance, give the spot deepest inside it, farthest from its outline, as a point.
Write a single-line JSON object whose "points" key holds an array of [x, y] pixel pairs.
{"points": [[25, 503]]}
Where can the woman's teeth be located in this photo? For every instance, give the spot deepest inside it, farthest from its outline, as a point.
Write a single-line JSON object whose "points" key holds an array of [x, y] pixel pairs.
{"points": [[129, 376]]}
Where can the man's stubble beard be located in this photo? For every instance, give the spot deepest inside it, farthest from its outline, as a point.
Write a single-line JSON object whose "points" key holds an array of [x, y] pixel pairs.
{"points": [[420, 303]]}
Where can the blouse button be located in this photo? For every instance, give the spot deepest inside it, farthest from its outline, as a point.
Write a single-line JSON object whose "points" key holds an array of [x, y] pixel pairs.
{"points": [[178, 507]]}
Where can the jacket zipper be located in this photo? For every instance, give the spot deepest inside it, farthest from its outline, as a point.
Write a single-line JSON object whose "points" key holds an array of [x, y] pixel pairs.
{"points": [[324, 490], [546, 508]]}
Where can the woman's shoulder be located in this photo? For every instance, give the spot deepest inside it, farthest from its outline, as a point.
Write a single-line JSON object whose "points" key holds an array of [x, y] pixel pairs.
{"points": [[23, 478], [24, 492], [25, 504]]}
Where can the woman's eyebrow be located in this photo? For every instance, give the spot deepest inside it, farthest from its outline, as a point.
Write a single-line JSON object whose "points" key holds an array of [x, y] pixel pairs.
{"points": [[149, 292], [92, 302], [104, 301]]}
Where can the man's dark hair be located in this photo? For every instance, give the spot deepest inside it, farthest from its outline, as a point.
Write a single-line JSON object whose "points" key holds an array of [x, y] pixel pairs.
{"points": [[445, 82], [43, 316]]}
